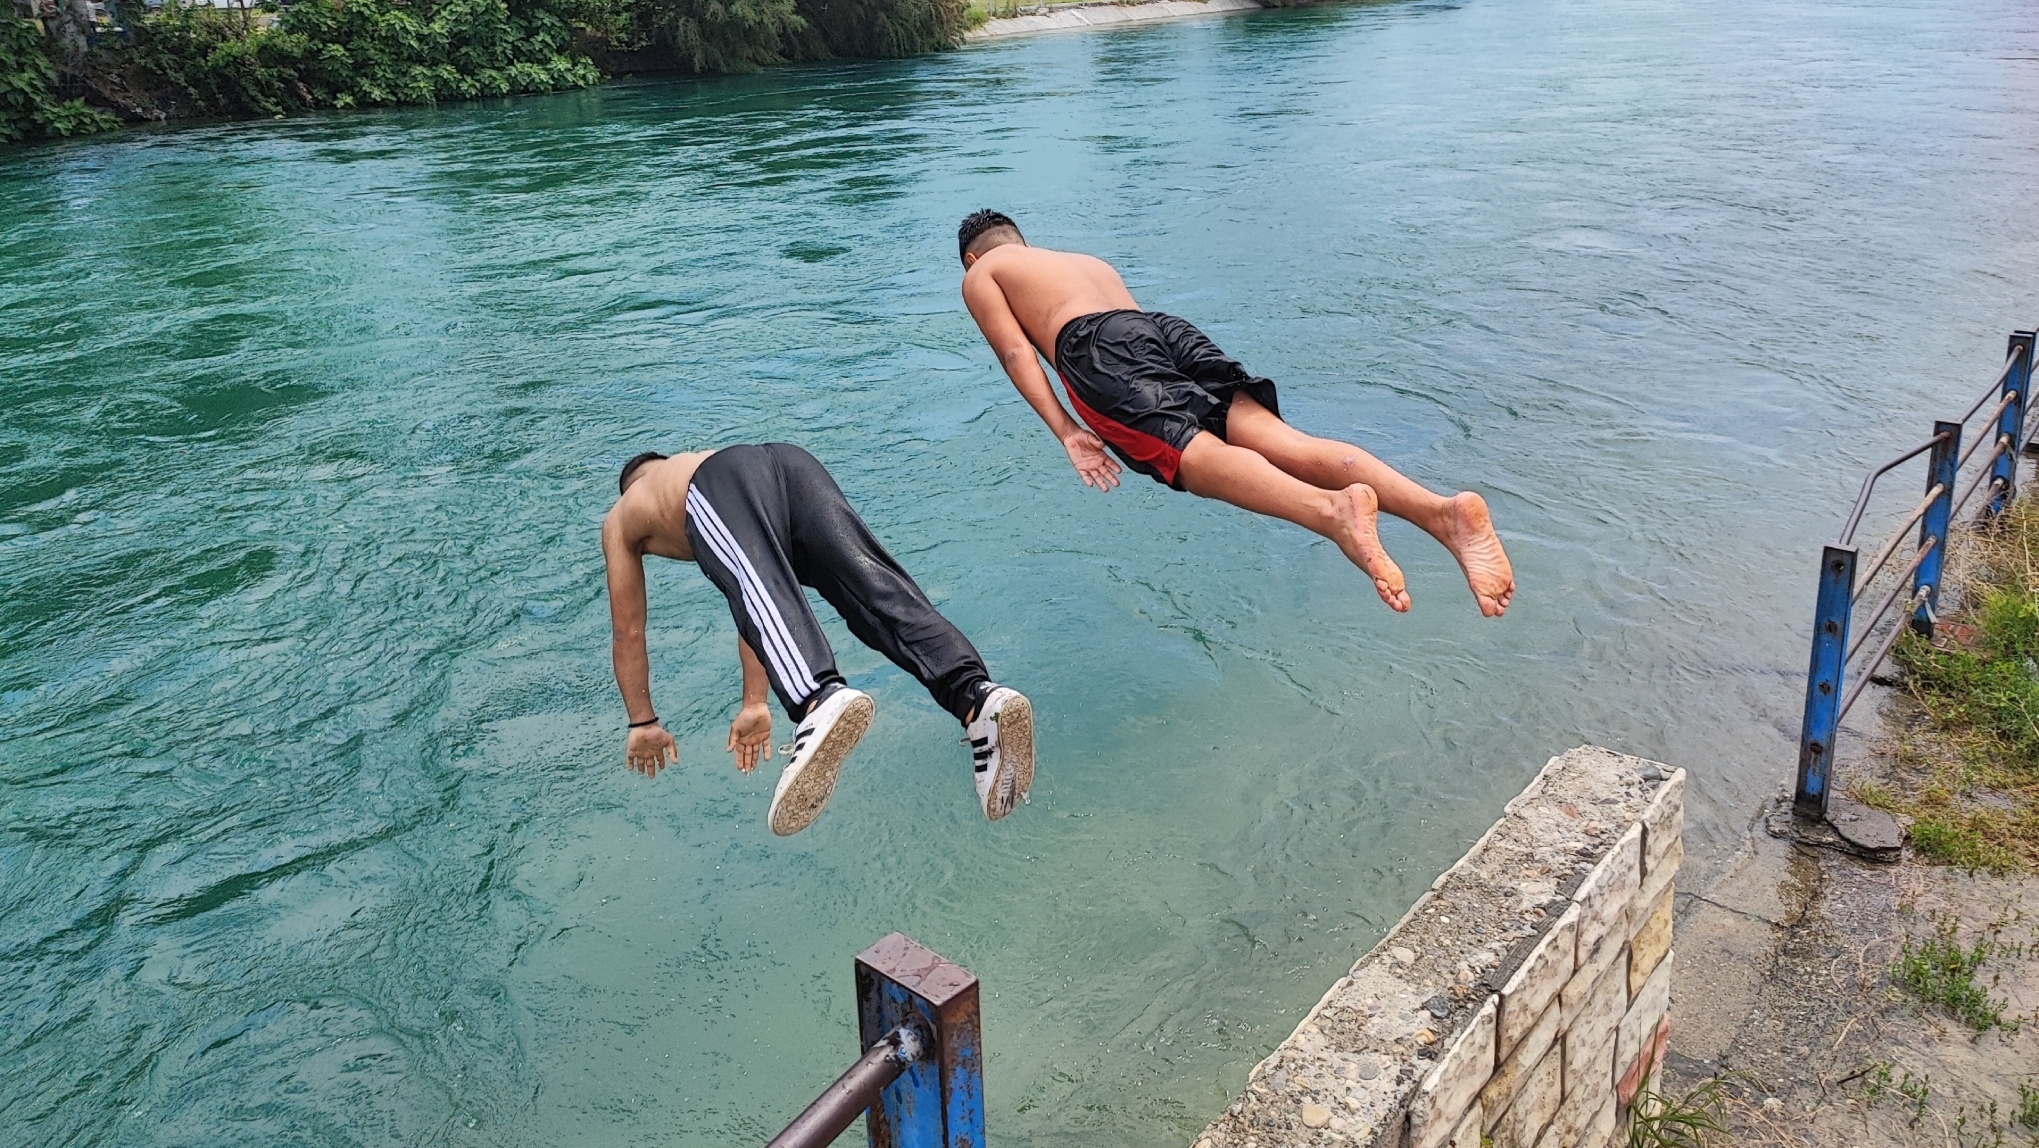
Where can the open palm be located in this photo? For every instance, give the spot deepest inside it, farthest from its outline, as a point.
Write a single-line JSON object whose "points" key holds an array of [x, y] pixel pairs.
{"points": [[1087, 454]]}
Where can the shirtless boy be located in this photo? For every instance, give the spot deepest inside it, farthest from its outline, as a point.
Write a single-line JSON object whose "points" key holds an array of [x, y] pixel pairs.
{"points": [[1177, 409], [761, 522]]}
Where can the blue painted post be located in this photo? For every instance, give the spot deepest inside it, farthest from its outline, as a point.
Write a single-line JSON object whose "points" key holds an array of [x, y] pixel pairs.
{"points": [[2004, 476], [939, 1101], [1941, 468], [1823, 680]]}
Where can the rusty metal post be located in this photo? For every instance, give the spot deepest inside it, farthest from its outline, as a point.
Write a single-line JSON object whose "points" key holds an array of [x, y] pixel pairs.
{"points": [[938, 1102]]}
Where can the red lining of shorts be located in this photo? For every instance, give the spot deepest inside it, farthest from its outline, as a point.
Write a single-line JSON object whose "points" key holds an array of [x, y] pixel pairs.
{"points": [[1137, 445]]}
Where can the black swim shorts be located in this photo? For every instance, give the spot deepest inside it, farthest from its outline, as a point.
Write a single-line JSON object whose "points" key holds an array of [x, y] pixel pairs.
{"points": [[1148, 382]]}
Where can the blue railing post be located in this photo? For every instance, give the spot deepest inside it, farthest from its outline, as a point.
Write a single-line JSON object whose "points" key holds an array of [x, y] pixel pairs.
{"points": [[2018, 380], [1823, 680], [1941, 468], [938, 1102]]}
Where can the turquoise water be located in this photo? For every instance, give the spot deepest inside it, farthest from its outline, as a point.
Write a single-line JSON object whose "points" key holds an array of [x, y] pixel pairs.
{"points": [[316, 829]]}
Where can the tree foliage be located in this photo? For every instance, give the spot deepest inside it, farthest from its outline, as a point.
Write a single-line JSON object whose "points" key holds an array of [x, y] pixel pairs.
{"points": [[180, 60], [29, 107]]}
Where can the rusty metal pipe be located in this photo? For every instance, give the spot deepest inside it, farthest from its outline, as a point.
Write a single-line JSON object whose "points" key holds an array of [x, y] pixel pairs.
{"points": [[855, 1090]]}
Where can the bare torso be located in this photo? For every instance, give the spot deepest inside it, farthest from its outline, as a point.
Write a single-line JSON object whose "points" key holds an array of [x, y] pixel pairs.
{"points": [[1046, 289], [652, 514]]}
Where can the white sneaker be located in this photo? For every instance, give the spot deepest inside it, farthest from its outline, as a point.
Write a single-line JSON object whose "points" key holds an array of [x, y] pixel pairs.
{"points": [[1001, 743], [821, 742]]}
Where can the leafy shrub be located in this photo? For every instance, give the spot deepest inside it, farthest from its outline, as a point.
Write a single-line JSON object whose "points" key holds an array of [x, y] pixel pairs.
{"points": [[29, 108], [357, 53], [181, 60]]}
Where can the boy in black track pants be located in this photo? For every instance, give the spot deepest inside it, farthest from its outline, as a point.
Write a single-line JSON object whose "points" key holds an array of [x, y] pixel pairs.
{"points": [[761, 522]]}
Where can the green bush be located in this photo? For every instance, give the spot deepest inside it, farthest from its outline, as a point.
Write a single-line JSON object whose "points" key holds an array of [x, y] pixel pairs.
{"points": [[179, 61], [29, 108], [356, 53]]}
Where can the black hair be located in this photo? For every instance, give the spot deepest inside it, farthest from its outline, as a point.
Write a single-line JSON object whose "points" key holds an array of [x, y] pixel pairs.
{"points": [[977, 223], [630, 468]]}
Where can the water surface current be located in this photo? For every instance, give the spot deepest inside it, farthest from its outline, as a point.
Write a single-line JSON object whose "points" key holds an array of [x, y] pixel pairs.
{"points": [[314, 828]]}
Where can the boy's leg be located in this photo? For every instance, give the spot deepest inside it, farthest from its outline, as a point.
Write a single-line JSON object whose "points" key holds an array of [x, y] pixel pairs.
{"points": [[740, 528], [1331, 465], [1460, 522], [1213, 468], [834, 552]]}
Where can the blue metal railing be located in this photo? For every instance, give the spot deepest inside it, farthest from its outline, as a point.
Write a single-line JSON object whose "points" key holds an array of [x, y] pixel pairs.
{"points": [[920, 1080], [1840, 588]]}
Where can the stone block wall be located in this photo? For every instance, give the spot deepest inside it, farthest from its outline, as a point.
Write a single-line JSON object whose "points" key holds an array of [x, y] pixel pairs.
{"points": [[1518, 1003]]}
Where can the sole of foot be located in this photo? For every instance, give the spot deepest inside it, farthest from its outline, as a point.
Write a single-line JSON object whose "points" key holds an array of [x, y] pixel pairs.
{"points": [[1360, 539], [806, 784], [1478, 549]]}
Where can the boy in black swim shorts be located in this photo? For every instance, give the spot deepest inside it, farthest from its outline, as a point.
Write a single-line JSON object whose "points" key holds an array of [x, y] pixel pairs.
{"points": [[1168, 403], [1148, 382]]}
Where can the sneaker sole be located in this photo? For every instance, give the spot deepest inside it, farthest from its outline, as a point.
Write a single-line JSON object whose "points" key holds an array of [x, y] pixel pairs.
{"points": [[1015, 752], [804, 800]]}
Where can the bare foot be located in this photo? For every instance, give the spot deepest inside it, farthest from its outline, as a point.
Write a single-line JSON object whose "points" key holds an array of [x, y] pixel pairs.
{"points": [[1358, 510], [1469, 535]]}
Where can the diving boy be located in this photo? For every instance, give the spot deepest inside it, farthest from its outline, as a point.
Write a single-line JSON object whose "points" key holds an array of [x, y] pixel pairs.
{"points": [[1175, 408], [761, 522]]}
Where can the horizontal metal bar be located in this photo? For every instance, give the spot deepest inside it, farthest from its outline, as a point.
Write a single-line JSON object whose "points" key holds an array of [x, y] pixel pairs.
{"points": [[2010, 361], [1863, 676], [853, 1092], [1896, 539], [1862, 633], [1862, 499], [2003, 441]]}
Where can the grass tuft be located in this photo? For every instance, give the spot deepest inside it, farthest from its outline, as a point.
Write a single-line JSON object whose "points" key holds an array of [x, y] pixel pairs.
{"points": [[1938, 970], [1970, 780], [1695, 1120]]}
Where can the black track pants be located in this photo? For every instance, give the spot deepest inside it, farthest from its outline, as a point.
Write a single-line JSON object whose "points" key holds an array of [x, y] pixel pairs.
{"points": [[767, 520]]}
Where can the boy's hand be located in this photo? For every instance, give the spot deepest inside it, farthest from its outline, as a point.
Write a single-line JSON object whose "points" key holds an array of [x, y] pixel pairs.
{"points": [[750, 736], [1087, 454], [650, 749]]}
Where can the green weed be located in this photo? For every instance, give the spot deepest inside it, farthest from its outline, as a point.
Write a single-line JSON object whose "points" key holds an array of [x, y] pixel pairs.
{"points": [[1952, 837], [2027, 1115], [1938, 970], [1693, 1120]]}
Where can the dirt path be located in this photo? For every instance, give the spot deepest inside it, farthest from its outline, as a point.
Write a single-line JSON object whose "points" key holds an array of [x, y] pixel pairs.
{"points": [[1786, 992]]}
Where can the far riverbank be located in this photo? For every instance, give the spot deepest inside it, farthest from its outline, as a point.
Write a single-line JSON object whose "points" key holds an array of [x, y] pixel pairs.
{"points": [[1075, 17]]}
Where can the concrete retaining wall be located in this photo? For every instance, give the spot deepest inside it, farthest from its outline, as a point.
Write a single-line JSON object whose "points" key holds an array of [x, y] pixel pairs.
{"points": [[1519, 1001], [1068, 18]]}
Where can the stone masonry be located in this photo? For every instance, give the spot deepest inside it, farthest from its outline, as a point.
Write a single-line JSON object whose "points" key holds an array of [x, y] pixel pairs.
{"points": [[1520, 1001]]}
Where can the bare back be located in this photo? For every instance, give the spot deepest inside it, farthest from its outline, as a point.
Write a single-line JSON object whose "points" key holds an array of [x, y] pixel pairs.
{"points": [[651, 517], [1046, 289]]}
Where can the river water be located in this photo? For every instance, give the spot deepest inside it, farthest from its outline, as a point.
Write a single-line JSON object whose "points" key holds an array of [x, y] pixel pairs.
{"points": [[315, 824]]}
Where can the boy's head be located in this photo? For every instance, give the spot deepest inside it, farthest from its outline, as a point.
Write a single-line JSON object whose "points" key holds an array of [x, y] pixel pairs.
{"points": [[631, 468], [984, 230]]}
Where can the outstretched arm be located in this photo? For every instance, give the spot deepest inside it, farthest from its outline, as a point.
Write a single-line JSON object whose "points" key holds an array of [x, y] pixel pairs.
{"points": [[649, 748], [750, 735], [1022, 365]]}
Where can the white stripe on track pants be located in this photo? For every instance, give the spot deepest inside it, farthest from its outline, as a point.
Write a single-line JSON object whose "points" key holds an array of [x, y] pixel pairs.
{"points": [[764, 521]]}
